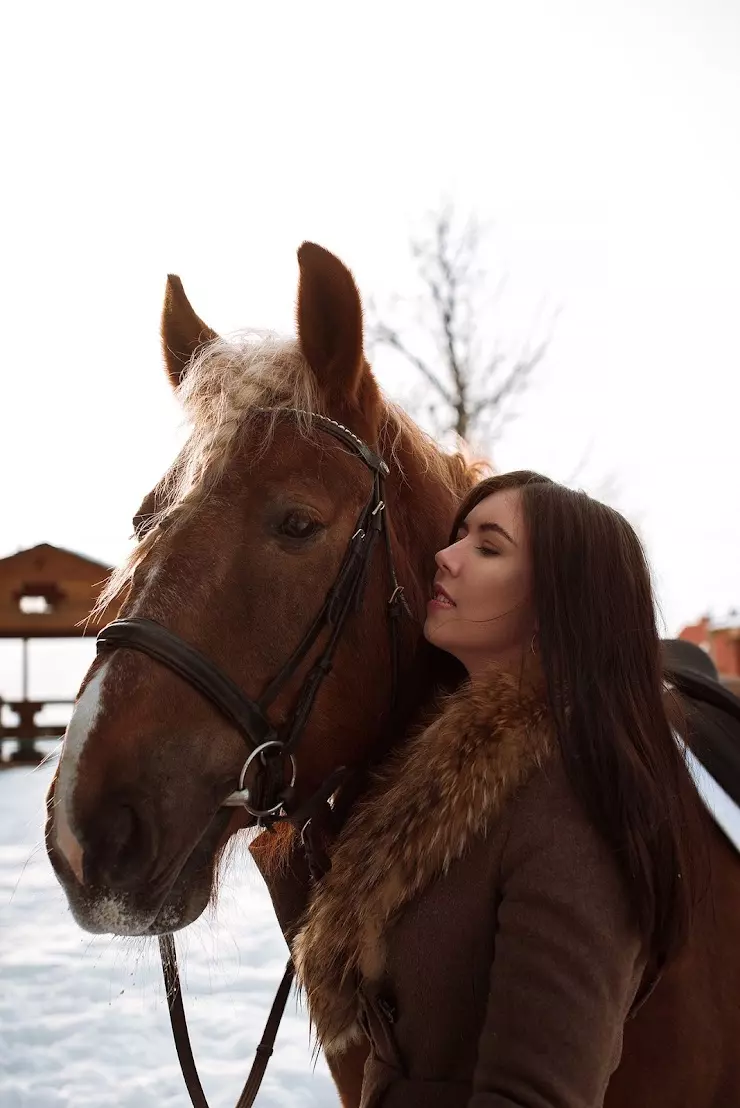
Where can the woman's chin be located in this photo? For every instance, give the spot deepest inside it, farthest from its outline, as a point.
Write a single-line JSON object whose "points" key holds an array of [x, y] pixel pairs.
{"points": [[434, 633], [429, 630]]}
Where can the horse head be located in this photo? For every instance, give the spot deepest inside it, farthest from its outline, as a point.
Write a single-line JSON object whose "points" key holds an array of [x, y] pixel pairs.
{"points": [[238, 547]]}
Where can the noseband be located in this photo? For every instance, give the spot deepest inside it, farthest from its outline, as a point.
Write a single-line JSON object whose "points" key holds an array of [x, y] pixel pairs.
{"points": [[272, 747]]}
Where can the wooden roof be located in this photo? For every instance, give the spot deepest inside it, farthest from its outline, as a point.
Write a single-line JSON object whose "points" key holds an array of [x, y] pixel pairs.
{"points": [[47, 592]]}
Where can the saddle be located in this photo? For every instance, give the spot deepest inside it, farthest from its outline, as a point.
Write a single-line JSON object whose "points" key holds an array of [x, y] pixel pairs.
{"points": [[713, 713]]}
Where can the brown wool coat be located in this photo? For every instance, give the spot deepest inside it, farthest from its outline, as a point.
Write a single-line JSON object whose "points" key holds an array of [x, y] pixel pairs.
{"points": [[474, 926]]}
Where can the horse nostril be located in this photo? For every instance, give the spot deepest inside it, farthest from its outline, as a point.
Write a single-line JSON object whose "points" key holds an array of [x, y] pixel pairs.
{"points": [[119, 847], [120, 826]]}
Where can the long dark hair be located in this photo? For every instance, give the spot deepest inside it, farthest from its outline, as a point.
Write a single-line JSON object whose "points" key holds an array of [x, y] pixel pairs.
{"points": [[601, 658]]}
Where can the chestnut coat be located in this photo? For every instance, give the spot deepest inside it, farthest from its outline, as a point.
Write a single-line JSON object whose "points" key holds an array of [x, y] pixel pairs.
{"points": [[474, 926]]}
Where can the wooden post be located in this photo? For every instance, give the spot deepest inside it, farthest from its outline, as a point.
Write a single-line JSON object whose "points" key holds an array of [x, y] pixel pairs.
{"points": [[27, 750]]}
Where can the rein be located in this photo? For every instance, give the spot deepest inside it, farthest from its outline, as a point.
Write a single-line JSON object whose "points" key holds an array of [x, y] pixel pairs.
{"points": [[271, 748]]}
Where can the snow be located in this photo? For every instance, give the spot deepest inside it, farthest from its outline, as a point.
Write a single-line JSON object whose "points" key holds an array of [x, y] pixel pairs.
{"points": [[83, 1019]]}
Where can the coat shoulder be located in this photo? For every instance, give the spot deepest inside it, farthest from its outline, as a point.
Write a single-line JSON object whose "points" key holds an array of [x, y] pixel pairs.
{"points": [[551, 838]]}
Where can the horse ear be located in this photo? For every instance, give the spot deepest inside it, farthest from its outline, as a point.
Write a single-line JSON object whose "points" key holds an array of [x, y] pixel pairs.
{"points": [[183, 332], [330, 322]]}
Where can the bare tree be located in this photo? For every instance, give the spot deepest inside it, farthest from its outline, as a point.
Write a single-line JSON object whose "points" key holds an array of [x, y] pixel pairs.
{"points": [[470, 384]]}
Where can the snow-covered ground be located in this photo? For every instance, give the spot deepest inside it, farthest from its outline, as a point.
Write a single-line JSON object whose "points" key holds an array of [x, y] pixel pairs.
{"points": [[83, 1019]]}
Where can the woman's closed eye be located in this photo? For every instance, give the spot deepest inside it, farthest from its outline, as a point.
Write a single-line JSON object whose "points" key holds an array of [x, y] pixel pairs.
{"points": [[489, 551]]}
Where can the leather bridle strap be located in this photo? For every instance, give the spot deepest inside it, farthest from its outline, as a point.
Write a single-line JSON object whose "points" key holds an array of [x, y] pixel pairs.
{"points": [[248, 716], [263, 1052], [196, 669]]}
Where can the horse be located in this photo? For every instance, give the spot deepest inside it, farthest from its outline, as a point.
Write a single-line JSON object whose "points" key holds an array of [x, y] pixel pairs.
{"points": [[258, 606], [136, 823]]}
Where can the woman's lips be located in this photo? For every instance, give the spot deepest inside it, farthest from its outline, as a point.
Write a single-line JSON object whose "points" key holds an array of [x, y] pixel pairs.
{"points": [[440, 599]]}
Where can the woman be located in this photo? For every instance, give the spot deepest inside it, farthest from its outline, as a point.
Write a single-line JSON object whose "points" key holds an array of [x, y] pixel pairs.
{"points": [[508, 891]]}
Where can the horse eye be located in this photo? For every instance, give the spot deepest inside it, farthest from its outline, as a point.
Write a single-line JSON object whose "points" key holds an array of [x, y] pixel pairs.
{"points": [[299, 525]]}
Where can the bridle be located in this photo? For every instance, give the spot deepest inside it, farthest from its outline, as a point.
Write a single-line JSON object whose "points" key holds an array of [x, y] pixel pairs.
{"points": [[272, 748]]}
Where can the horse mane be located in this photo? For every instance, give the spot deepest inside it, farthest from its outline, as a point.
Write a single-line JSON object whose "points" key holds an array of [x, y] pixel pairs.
{"points": [[233, 384]]}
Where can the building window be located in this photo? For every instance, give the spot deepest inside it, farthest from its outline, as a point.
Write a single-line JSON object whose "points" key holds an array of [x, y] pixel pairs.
{"points": [[35, 606], [39, 598]]}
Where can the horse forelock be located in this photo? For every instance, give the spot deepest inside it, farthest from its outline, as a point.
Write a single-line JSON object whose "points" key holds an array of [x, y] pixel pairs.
{"points": [[238, 386]]}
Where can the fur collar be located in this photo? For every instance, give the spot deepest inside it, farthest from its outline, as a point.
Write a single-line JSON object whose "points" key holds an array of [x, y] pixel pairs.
{"points": [[446, 786]]}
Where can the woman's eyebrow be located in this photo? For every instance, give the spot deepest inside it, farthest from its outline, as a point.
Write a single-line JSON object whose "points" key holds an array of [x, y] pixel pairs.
{"points": [[498, 529]]}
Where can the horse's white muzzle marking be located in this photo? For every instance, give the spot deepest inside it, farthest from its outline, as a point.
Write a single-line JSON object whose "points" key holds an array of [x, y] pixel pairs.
{"points": [[84, 718]]}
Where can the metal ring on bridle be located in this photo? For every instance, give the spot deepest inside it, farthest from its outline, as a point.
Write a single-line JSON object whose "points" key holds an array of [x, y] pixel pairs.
{"points": [[244, 797]]}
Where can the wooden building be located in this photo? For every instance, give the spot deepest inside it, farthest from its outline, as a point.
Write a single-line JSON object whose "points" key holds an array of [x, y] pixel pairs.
{"points": [[45, 592]]}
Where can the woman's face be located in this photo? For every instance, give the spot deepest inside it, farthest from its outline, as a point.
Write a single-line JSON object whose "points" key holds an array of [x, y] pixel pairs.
{"points": [[482, 609]]}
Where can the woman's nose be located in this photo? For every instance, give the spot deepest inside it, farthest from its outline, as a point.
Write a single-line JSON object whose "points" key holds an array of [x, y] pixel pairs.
{"points": [[445, 560]]}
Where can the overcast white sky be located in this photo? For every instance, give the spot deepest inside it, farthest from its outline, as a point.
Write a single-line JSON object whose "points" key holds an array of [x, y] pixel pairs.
{"points": [[601, 138]]}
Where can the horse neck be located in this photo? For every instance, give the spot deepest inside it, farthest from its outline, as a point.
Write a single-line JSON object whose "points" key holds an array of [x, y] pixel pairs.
{"points": [[437, 676], [424, 495]]}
